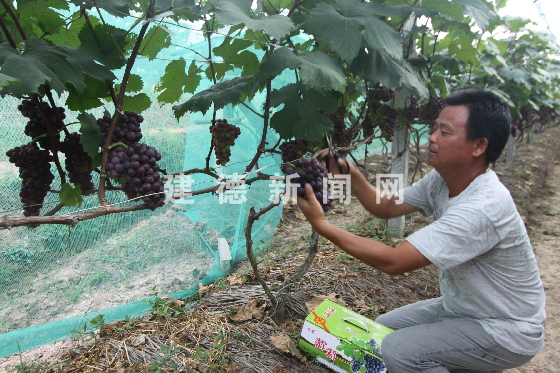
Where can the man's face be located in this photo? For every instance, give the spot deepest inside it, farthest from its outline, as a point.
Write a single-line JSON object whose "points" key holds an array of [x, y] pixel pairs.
{"points": [[449, 148]]}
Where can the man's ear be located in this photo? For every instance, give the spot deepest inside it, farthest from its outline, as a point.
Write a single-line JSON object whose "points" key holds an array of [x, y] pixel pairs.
{"points": [[480, 146]]}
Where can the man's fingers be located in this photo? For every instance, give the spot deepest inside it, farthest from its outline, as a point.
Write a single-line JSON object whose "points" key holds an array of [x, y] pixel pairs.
{"points": [[310, 193]]}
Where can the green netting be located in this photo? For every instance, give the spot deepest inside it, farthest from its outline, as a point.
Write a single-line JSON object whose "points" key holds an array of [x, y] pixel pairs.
{"points": [[54, 279]]}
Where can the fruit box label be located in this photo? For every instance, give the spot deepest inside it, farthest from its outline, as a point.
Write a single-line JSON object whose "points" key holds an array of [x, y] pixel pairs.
{"points": [[343, 340]]}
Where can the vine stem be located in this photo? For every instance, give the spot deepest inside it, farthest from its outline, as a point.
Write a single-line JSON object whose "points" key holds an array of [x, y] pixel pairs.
{"points": [[9, 222], [118, 105], [7, 33], [254, 216], [14, 18], [266, 118], [208, 33]]}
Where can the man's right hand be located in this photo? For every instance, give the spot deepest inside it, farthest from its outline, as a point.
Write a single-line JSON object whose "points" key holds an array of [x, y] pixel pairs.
{"points": [[335, 164]]}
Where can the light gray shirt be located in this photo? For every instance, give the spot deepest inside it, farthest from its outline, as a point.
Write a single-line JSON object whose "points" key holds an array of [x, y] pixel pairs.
{"points": [[486, 264]]}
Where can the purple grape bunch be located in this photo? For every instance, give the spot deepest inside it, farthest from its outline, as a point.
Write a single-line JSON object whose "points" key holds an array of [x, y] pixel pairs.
{"points": [[35, 173], [127, 129], [310, 172], [137, 164]]}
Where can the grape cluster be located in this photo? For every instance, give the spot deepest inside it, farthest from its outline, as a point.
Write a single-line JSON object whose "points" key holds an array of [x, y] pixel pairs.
{"points": [[36, 126], [355, 364], [431, 109], [310, 172], [380, 93], [342, 136], [78, 163], [34, 170], [375, 348], [373, 364], [223, 138], [408, 114], [291, 150], [367, 127], [126, 131], [137, 164], [386, 119]]}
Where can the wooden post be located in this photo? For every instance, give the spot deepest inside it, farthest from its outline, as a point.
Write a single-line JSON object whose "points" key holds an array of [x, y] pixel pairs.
{"points": [[400, 167], [510, 149]]}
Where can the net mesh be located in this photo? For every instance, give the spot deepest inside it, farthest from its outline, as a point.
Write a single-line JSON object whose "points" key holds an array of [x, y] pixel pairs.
{"points": [[55, 279]]}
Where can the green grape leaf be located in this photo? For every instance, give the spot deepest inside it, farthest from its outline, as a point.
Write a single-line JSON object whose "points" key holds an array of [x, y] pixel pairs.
{"points": [[518, 75], [117, 8], [137, 103], [463, 49], [175, 82], [156, 39], [301, 117], [233, 12], [95, 56], [318, 70], [479, 11], [70, 196], [102, 44], [96, 161], [89, 98], [90, 136], [134, 84], [378, 67], [220, 94], [233, 51], [6, 80], [453, 10], [346, 24], [441, 83], [39, 63], [67, 36], [42, 16]]}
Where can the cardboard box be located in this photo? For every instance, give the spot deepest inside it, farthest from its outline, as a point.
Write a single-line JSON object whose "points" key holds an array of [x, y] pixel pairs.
{"points": [[343, 340]]}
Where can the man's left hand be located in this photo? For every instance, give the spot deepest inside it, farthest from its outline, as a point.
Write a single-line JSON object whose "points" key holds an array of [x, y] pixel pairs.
{"points": [[311, 207]]}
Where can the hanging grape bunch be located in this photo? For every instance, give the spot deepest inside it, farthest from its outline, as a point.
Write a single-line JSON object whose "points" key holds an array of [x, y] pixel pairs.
{"points": [[78, 163], [386, 119], [516, 126], [126, 131], [342, 136], [380, 93], [407, 115], [223, 138], [135, 162], [367, 128], [431, 109], [36, 126], [291, 150], [34, 170], [310, 172]]}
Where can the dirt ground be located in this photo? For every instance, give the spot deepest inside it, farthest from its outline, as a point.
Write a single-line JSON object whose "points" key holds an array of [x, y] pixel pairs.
{"points": [[228, 328]]}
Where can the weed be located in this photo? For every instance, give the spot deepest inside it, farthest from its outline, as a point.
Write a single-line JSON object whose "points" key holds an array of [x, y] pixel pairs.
{"points": [[214, 357], [97, 323], [372, 228], [156, 366], [163, 307]]}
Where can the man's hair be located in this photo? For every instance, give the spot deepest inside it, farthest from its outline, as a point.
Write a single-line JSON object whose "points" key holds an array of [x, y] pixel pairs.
{"points": [[489, 117]]}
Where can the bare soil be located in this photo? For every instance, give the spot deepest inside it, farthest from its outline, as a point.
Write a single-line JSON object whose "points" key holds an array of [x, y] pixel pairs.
{"points": [[228, 328]]}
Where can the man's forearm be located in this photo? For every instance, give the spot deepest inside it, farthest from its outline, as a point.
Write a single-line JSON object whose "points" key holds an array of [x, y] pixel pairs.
{"points": [[391, 260], [367, 195]]}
